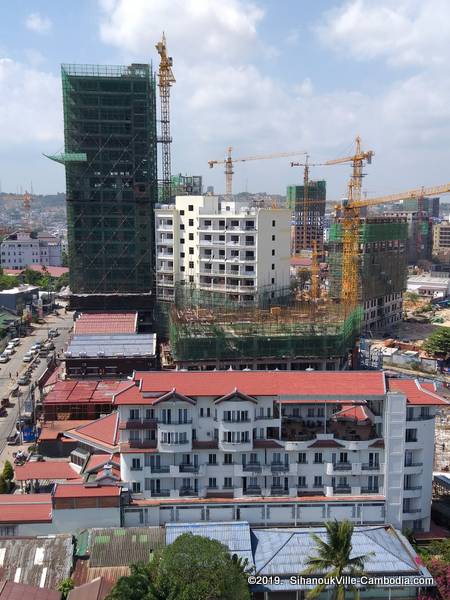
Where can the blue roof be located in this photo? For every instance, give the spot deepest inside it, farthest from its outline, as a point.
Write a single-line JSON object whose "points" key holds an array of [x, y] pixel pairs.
{"points": [[235, 535]]}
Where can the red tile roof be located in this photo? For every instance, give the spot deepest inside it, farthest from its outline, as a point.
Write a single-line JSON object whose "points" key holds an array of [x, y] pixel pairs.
{"points": [[103, 431], [98, 460], [266, 444], [326, 444], [253, 383], [51, 430], [79, 490], [21, 591], [25, 508], [417, 394], [52, 271], [77, 392], [107, 323], [358, 413], [51, 470]]}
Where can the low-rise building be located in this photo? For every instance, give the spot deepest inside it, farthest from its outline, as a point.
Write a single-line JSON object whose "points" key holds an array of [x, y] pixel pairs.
{"points": [[441, 241], [277, 447], [429, 286], [221, 246], [17, 299], [23, 248]]}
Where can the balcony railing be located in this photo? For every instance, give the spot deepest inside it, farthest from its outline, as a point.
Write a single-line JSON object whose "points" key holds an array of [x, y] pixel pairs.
{"points": [[175, 422], [160, 469], [411, 510], [342, 466], [188, 492], [342, 489], [256, 466], [412, 488], [370, 467], [136, 468], [142, 444], [188, 468], [278, 490], [265, 417], [252, 491], [413, 464], [279, 467], [233, 420], [174, 442], [160, 494], [370, 490]]}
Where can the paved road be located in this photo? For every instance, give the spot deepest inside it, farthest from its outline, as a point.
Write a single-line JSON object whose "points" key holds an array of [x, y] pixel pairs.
{"points": [[64, 323]]}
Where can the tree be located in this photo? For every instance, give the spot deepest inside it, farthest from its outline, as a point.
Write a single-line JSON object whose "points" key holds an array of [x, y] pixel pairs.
{"points": [[192, 568], [3, 485], [438, 342], [8, 471], [334, 559], [65, 586]]}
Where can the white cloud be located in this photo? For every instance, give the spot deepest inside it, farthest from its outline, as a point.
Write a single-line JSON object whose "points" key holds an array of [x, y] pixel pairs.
{"points": [[403, 32], [37, 23], [30, 104]]}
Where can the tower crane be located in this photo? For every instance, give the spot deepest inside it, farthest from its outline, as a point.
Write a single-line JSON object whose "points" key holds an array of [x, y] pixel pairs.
{"points": [[350, 211], [26, 200], [166, 79], [229, 162]]}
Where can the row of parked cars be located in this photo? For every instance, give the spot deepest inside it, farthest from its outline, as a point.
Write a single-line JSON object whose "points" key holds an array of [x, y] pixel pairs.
{"points": [[9, 350]]}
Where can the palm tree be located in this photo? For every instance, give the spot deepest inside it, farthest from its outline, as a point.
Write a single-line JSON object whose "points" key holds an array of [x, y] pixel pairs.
{"points": [[333, 559]]}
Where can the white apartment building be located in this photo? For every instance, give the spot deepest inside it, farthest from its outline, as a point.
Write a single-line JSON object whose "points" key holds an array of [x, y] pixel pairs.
{"points": [[277, 447], [23, 248], [222, 246]]}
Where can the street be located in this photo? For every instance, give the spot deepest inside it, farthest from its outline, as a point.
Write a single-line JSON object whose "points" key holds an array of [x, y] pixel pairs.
{"points": [[64, 323]]}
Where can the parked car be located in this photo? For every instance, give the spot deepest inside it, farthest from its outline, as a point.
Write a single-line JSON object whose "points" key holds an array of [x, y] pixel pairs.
{"points": [[9, 351], [4, 358], [15, 341], [13, 439], [23, 380], [28, 357], [43, 352], [49, 346], [3, 412], [5, 401], [53, 333]]}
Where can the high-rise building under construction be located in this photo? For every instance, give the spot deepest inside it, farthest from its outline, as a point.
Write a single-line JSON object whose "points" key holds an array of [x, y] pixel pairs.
{"points": [[307, 226], [110, 159]]}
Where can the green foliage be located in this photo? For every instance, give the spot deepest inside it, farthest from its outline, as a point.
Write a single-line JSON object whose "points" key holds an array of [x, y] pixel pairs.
{"points": [[31, 277], [192, 568], [8, 471], [333, 559], [65, 586], [6, 281], [438, 549], [438, 342], [135, 586], [411, 296], [64, 259], [3, 485]]}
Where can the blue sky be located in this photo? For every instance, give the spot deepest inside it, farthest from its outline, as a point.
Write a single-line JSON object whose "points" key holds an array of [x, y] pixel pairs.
{"points": [[263, 76]]}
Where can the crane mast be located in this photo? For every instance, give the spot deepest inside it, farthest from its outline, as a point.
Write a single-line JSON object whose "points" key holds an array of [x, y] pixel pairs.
{"points": [[166, 79]]}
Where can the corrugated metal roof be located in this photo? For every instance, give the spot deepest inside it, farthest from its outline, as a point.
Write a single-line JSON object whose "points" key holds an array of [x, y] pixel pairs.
{"points": [[18, 591], [112, 345], [43, 561], [96, 589], [284, 552], [123, 546], [235, 535]]}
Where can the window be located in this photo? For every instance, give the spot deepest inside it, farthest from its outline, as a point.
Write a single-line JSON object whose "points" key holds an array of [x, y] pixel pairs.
{"points": [[201, 411], [411, 435], [191, 250], [191, 236], [227, 482], [318, 457], [136, 487], [302, 458], [134, 435], [182, 226], [208, 412], [273, 267], [191, 264], [149, 434], [136, 464], [212, 459], [182, 269], [181, 240], [302, 481], [273, 238], [227, 459], [273, 252], [212, 483], [181, 254], [318, 481], [191, 222], [273, 223], [149, 413], [310, 412], [134, 414], [191, 207]]}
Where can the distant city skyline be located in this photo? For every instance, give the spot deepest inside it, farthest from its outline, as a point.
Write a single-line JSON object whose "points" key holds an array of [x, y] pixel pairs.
{"points": [[261, 76]]}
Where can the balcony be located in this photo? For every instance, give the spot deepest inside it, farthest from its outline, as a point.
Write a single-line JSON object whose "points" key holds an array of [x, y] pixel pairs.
{"points": [[161, 494], [135, 468], [247, 420], [160, 469], [342, 466], [413, 488], [413, 511], [299, 429], [139, 444], [252, 467], [188, 468], [370, 467], [370, 490], [138, 424], [175, 422], [278, 490], [277, 467], [252, 491], [188, 491], [342, 489]]}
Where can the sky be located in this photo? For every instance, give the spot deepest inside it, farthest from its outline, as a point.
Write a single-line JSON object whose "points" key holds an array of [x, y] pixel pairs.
{"points": [[262, 76]]}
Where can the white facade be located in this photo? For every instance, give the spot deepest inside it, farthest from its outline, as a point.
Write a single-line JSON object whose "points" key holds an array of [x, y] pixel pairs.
{"points": [[22, 249], [271, 460], [383, 311], [221, 246]]}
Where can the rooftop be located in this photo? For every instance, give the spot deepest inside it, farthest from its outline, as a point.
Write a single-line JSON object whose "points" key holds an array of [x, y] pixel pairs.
{"points": [[20, 289], [97, 589], [106, 323], [41, 561], [52, 271], [26, 508], [50, 470], [101, 433], [82, 391], [417, 393], [126, 345], [18, 591], [51, 430]]}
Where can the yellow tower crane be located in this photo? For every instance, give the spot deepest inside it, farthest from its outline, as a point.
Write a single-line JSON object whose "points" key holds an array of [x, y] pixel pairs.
{"points": [[350, 210], [166, 79], [26, 200], [229, 162]]}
